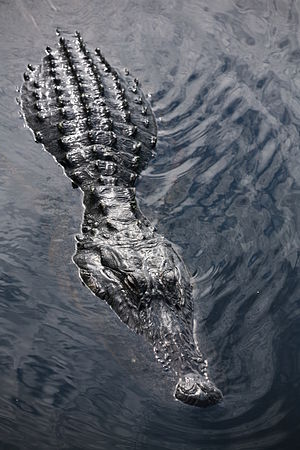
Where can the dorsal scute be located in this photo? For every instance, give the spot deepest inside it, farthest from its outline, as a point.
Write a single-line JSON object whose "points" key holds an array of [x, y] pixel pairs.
{"points": [[74, 97]]}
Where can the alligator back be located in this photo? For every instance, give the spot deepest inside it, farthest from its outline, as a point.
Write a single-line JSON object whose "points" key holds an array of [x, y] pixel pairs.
{"points": [[81, 108]]}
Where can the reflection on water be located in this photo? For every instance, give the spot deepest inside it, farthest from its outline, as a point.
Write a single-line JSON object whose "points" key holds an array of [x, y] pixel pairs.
{"points": [[225, 86]]}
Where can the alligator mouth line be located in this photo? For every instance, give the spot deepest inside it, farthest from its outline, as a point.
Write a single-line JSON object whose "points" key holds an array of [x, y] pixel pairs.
{"points": [[98, 125]]}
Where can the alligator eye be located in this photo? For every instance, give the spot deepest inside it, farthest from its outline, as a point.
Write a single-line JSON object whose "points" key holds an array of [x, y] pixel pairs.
{"points": [[137, 285], [131, 282], [169, 277]]}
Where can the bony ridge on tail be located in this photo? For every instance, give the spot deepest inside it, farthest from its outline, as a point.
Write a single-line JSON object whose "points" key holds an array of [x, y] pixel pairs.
{"points": [[98, 125]]}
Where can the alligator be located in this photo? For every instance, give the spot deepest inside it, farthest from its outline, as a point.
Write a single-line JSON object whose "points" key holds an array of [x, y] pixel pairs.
{"points": [[97, 123]]}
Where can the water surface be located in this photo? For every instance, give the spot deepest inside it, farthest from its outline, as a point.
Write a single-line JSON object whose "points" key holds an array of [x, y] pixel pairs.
{"points": [[224, 187]]}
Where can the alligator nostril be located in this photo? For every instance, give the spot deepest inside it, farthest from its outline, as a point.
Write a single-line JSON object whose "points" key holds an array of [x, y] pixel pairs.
{"points": [[191, 389], [194, 390]]}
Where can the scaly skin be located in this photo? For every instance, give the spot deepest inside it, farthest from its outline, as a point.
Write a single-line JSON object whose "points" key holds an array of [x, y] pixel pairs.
{"points": [[99, 127]]}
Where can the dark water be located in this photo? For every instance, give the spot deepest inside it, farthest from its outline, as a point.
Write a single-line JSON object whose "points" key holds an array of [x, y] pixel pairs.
{"points": [[224, 77]]}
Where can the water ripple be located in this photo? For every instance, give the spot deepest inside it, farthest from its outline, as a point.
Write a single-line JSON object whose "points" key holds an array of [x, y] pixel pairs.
{"points": [[224, 187]]}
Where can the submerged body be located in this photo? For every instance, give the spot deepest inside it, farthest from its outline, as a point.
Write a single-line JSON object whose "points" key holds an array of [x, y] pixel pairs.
{"points": [[99, 127]]}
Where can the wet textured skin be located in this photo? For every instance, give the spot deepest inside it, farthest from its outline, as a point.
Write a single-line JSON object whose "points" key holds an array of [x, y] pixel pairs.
{"points": [[97, 124]]}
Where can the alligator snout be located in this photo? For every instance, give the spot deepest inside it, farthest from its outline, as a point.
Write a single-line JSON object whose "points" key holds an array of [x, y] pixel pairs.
{"points": [[194, 389]]}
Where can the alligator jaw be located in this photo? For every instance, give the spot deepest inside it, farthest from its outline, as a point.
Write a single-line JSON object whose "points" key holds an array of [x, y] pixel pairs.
{"points": [[175, 347]]}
